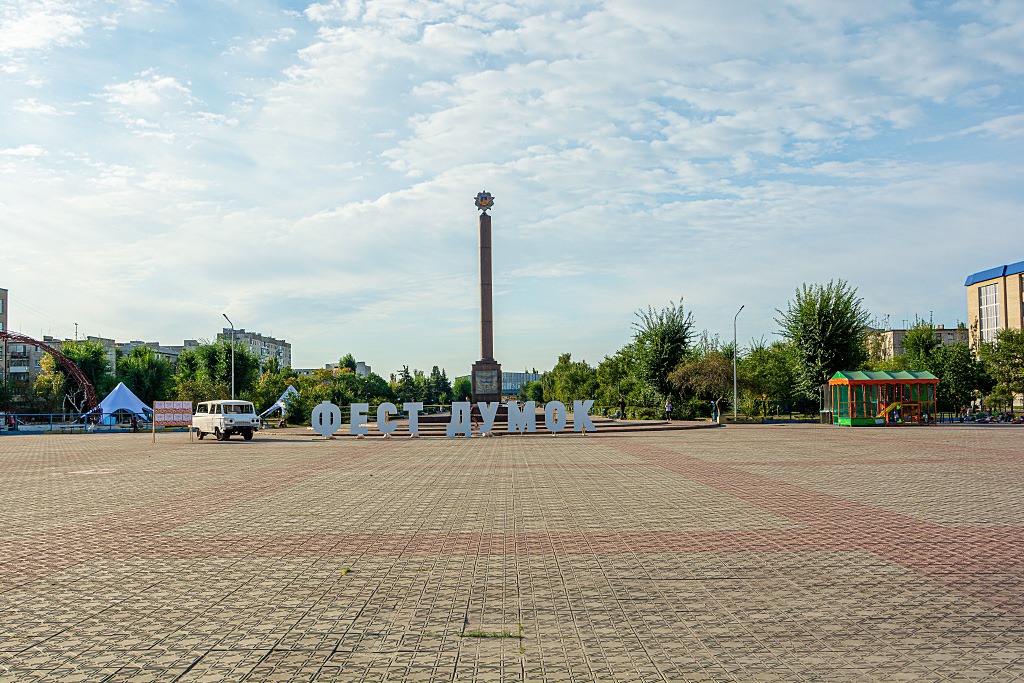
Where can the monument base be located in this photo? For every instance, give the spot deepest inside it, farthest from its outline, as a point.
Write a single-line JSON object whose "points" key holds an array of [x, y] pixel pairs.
{"points": [[486, 380]]}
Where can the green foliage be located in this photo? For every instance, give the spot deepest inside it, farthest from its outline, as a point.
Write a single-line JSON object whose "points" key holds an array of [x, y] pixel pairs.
{"points": [[768, 378], [269, 386], [920, 344], [463, 389], [347, 361], [149, 376], [1004, 360], [439, 389], [204, 373], [961, 376], [531, 391], [49, 386], [91, 359], [405, 388], [828, 326], [661, 340], [569, 381], [707, 376]]}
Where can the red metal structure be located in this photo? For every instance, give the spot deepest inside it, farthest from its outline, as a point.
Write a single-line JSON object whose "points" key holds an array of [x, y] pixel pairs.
{"points": [[66, 363]]}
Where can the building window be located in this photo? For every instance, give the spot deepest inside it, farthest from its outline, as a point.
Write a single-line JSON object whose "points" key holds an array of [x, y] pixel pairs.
{"points": [[988, 312]]}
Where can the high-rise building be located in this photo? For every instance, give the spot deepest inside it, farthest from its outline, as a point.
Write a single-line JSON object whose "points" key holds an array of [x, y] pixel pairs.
{"points": [[264, 347], [995, 301]]}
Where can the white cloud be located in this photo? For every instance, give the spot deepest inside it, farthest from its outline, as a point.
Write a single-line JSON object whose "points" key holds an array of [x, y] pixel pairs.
{"points": [[37, 25], [1004, 127], [33, 106], [638, 151], [31, 151], [151, 90]]}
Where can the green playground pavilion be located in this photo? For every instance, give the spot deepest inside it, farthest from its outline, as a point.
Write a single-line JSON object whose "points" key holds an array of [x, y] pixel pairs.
{"points": [[862, 398]]}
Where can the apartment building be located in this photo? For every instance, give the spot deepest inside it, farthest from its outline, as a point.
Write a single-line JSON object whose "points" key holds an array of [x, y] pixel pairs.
{"points": [[263, 346], [890, 342], [995, 301]]}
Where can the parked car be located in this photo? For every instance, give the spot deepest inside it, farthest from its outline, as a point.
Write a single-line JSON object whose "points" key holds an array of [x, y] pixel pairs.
{"points": [[225, 418]]}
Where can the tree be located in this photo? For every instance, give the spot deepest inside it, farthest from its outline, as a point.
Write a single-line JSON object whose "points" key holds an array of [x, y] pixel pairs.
{"points": [[707, 377], [569, 381], [1004, 360], [462, 389], [405, 388], [920, 344], [438, 388], [204, 373], [768, 376], [531, 391], [150, 377], [91, 359], [961, 376], [49, 386], [828, 326], [347, 361], [661, 340]]}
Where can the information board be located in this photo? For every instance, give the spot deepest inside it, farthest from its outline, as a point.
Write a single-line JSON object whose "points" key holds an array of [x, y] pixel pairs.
{"points": [[172, 413]]}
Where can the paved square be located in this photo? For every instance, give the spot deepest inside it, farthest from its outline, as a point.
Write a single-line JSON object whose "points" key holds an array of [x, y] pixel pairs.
{"points": [[745, 553]]}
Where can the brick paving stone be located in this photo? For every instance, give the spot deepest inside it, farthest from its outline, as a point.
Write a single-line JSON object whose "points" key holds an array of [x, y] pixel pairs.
{"points": [[745, 553]]}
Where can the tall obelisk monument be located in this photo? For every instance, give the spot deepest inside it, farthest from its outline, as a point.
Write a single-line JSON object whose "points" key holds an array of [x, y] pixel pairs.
{"points": [[486, 371]]}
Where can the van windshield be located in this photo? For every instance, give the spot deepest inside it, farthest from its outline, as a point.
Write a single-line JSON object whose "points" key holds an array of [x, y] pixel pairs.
{"points": [[237, 409]]}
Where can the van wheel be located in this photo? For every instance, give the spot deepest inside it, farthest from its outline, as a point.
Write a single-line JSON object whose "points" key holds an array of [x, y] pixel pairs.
{"points": [[247, 435], [221, 435], [200, 433]]}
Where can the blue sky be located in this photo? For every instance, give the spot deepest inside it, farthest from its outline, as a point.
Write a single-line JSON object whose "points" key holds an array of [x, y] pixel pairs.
{"points": [[310, 169]]}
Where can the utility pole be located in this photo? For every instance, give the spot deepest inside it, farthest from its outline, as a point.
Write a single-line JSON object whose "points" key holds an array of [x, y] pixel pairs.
{"points": [[735, 352], [232, 355]]}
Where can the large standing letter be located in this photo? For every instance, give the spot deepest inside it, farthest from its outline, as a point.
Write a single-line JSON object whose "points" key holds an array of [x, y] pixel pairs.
{"points": [[489, 411], [383, 410], [414, 410], [524, 420], [357, 418], [325, 419], [460, 423], [581, 416], [555, 422]]}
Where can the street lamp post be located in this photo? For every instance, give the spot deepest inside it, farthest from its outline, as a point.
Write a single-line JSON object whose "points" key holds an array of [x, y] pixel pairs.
{"points": [[232, 355], [735, 352]]}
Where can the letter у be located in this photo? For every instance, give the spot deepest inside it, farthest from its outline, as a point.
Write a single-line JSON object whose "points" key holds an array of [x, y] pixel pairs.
{"points": [[555, 416], [357, 418], [524, 420], [414, 410], [488, 411], [383, 411], [581, 416], [460, 423]]}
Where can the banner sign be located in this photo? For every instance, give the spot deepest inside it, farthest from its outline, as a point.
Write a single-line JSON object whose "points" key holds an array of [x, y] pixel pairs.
{"points": [[172, 413]]}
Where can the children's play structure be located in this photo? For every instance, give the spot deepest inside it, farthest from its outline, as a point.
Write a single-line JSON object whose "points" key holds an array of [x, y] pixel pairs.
{"points": [[882, 398]]}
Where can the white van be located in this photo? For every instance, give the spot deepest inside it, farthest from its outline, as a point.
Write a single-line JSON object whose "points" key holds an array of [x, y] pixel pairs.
{"points": [[224, 418]]}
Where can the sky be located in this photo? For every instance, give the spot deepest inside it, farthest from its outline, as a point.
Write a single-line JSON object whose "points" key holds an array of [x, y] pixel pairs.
{"points": [[309, 169]]}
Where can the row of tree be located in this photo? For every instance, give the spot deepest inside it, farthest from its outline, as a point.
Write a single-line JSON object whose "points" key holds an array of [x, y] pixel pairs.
{"points": [[824, 329], [205, 373]]}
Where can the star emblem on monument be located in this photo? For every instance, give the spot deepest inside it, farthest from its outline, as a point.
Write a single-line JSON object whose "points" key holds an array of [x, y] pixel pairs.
{"points": [[484, 201]]}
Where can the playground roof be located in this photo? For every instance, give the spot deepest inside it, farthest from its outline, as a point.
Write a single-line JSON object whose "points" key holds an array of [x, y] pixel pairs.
{"points": [[882, 376]]}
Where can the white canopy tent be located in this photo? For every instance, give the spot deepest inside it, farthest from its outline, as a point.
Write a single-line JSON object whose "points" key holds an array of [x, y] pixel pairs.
{"points": [[282, 402], [120, 398]]}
